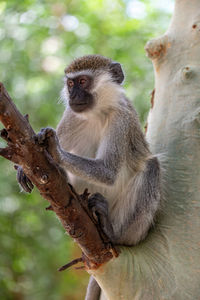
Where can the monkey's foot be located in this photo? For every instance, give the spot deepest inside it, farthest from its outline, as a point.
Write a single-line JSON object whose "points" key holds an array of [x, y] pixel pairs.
{"points": [[47, 137], [23, 180], [99, 208]]}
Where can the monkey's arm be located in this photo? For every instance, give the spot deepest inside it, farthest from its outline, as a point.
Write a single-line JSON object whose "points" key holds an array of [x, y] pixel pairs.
{"points": [[104, 168]]}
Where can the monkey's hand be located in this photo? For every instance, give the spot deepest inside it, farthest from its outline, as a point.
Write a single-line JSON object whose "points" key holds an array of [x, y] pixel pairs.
{"points": [[47, 137], [23, 180], [99, 208]]}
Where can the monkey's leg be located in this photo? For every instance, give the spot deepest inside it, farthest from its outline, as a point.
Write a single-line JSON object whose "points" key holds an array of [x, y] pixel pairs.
{"points": [[93, 290], [145, 197], [99, 207]]}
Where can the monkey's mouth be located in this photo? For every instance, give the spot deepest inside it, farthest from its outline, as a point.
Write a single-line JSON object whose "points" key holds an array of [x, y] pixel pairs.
{"points": [[82, 102], [79, 107]]}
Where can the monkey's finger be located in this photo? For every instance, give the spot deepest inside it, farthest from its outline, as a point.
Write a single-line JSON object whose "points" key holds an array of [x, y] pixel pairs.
{"points": [[98, 207], [29, 183], [24, 181], [40, 138], [21, 181], [106, 226], [47, 138], [25, 186], [95, 216], [99, 202], [45, 134], [98, 197], [99, 213]]}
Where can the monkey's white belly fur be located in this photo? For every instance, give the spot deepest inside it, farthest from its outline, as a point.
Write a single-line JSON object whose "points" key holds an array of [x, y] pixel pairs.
{"points": [[115, 194]]}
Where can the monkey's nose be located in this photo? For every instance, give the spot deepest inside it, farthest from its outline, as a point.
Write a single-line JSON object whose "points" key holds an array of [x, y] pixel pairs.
{"points": [[73, 94]]}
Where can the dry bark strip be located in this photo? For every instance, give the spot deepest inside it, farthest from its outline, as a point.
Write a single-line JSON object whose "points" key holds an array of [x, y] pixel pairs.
{"points": [[52, 184]]}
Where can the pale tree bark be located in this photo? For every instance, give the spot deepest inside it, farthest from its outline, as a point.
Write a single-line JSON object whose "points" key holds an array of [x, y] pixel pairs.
{"points": [[167, 264]]}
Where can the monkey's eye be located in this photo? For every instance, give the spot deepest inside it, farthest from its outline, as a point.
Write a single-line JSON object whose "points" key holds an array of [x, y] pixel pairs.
{"points": [[70, 83], [82, 81]]}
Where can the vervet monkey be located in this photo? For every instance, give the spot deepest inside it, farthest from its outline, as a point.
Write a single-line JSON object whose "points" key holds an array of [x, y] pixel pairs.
{"points": [[101, 146]]}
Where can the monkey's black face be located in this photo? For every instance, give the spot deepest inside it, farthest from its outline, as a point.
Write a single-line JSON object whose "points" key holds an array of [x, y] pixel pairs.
{"points": [[80, 98]]}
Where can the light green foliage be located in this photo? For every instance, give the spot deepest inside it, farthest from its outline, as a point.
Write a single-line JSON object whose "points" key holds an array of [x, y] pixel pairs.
{"points": [[37, 40]]}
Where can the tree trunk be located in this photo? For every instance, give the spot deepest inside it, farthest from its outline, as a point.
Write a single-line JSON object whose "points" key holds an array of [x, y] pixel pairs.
{"points": [[167, 264]]}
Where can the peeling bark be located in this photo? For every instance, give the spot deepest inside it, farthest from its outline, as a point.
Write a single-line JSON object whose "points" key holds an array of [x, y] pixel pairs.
{"points": [[157, 48], [51, 181]]}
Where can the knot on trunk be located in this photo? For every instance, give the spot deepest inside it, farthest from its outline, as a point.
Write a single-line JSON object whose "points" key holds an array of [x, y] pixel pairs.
{"points": [[187, 73], [156, 48], [196, 27]]}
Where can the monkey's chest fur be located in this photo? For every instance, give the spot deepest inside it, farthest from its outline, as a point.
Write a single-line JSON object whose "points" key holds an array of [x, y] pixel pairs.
{"points": [[84, 142]]}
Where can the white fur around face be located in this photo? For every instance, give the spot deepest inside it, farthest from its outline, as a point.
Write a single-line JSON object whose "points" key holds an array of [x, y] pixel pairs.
{"points": [[64, 95], [106, 93], [79, 73]]}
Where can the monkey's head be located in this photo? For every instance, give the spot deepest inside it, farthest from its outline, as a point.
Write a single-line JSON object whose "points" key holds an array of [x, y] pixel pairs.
{"points": [[87, 77]]}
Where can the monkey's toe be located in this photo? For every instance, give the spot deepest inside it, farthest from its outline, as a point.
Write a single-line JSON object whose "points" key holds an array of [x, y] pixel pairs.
{"points": [[99, 208], [98, 204], [24, 181]]}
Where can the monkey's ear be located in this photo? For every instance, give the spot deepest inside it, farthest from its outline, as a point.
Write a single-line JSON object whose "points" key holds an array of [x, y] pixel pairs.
{"points": [[117, 72]]}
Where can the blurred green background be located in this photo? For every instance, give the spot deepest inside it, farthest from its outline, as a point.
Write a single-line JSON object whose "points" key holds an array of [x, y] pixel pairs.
{"points": [[37, 40]]}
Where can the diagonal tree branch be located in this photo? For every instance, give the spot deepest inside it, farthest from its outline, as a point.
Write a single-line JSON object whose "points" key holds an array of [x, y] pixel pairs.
{"points": [[51, 181]]}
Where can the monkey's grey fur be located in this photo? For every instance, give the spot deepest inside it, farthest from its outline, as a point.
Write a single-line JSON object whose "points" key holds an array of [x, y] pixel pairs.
{"points": [[107, 153], [103, 148]]}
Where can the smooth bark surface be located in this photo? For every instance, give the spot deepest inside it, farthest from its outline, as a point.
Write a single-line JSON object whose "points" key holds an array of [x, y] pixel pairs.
{"points": [[167, 264]]}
